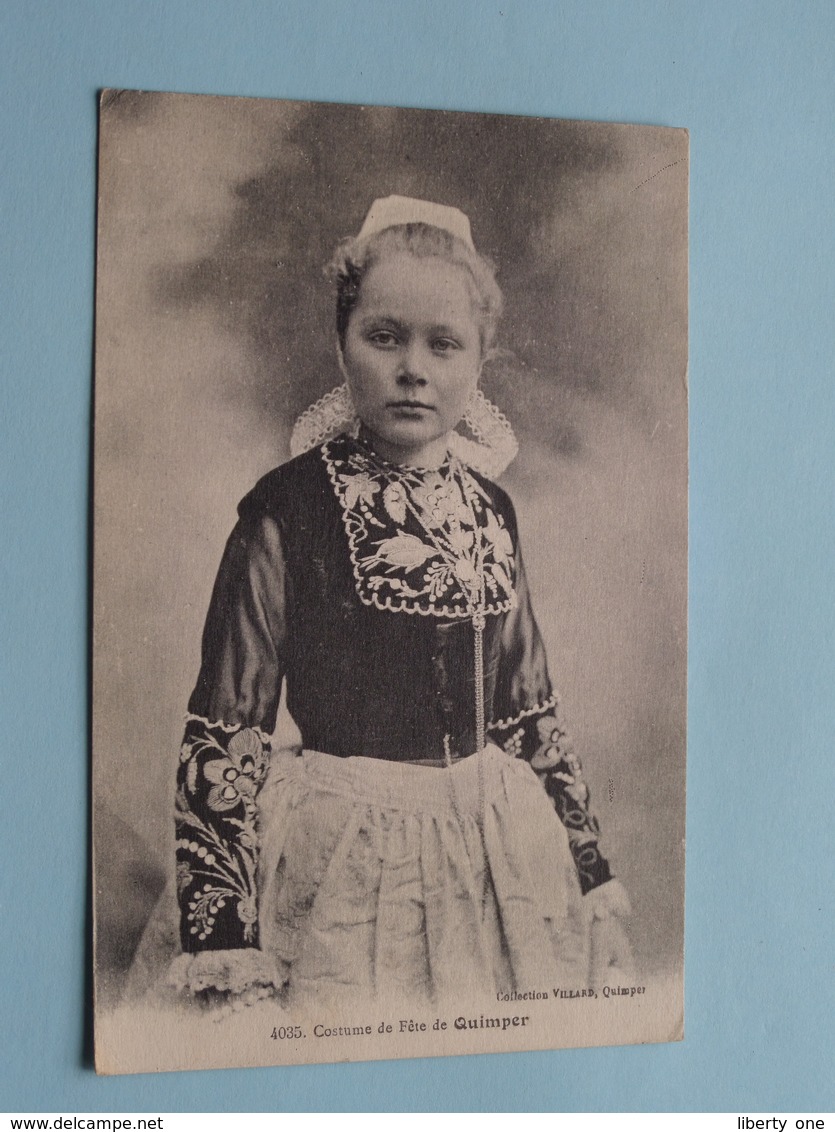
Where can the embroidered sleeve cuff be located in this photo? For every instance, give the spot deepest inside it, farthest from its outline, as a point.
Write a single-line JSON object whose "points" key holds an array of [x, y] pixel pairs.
{"points": [[221, 771], [592, 867]]}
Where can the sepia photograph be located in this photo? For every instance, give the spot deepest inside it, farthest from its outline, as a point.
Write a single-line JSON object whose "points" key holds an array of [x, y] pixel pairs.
{"points": [[390, 583]]}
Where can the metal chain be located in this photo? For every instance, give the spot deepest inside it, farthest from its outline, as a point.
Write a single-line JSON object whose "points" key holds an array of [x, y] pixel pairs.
{"points": [[479, 621]]}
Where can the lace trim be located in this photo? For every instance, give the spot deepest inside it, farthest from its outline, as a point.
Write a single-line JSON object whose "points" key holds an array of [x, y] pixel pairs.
{"points": [[228, 727], [551, 702], [236, 971], [324, 419], [356, 530], [494, 447]]}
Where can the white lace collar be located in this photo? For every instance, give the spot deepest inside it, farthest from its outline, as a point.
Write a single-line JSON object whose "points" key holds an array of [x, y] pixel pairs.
{"points": [[493, 445]]}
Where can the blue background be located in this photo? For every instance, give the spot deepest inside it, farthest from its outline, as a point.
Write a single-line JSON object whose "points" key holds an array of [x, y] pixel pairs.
{"points": [[754, 84]]}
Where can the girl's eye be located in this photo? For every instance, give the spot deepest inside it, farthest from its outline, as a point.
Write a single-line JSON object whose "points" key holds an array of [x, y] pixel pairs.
{"points": [[383, 338], [444, 345]]}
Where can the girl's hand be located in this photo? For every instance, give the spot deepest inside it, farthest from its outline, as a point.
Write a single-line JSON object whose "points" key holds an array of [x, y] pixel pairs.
{"points": [[609, 899]]}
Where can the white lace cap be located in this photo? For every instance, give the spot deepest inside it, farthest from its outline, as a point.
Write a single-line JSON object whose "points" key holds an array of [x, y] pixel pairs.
{"points": [[386, 212]]}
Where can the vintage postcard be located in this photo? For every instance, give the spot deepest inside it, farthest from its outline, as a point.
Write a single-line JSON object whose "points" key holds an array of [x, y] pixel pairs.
{"points": [[390, 583]]}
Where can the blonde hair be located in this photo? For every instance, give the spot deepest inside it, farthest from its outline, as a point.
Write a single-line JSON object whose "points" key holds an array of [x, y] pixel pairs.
{"points": [[354, 256]]}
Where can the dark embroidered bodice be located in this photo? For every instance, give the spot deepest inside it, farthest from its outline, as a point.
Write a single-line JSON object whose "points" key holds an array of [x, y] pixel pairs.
{"points": [[356, 582]]}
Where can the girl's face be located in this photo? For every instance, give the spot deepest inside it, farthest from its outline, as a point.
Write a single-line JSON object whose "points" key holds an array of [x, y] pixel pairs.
{"points": [[413, 355]]}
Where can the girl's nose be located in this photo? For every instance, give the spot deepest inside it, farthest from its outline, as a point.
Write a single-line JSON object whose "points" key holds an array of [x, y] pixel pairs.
{"points": [[408, 377], [412, 370]]}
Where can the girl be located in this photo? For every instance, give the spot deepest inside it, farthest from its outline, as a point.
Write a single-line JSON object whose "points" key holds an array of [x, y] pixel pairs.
{"points": [[434, 834]]}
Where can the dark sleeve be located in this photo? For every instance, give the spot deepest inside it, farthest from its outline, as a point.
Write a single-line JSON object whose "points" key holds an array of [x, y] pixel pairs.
{"points": [[226, 747], [528, 723]]}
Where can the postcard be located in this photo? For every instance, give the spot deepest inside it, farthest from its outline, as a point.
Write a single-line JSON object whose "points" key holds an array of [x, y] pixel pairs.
{"points": [[390, 583]]}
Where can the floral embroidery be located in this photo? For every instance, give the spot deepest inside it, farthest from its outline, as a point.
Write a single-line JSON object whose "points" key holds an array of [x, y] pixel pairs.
{"points": [[500, 538], [555, 753], [359, 487], [441, 502], [217, 843], [514, 745], [403, 550], [394, 501], [247, 910], [421, 542], [236, 778]]}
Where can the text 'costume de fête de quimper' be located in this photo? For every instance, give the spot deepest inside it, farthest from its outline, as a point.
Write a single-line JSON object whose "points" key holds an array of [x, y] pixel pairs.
{"points": [[383, 859]]}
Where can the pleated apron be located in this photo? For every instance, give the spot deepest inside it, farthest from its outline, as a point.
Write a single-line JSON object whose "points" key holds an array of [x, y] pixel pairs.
{"points": [[390, 880]]}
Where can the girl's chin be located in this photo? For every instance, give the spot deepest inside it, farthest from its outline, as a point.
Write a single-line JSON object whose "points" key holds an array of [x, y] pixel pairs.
{"points": [[408, 445]]}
